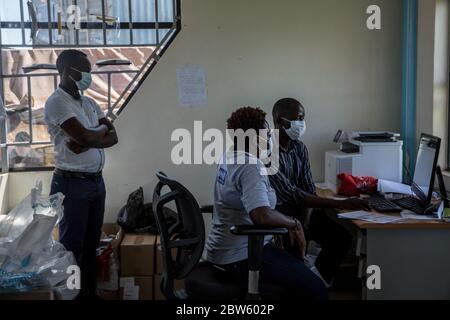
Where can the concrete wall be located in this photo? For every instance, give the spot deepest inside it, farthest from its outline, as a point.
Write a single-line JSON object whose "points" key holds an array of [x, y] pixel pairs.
{"points": [[255, 52]]}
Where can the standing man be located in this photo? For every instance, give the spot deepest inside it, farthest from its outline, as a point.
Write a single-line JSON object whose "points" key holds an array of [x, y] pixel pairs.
{"points": [[80, 132], [296, 192]]}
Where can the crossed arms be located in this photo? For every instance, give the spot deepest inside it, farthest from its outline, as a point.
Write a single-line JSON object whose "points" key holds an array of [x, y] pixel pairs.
{"points": [[83, 139]]}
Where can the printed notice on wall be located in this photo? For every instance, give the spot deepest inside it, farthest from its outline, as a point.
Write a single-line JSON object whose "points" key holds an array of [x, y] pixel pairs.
{"points": [[191, 81]]}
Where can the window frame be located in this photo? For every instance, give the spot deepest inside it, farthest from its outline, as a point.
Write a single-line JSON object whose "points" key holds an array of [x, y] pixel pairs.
{"points": [[447, 162], [173, 29]]}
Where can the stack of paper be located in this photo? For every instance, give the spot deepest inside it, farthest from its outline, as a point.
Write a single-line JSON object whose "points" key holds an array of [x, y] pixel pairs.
{"points": [[385, 186], [370, 217]]}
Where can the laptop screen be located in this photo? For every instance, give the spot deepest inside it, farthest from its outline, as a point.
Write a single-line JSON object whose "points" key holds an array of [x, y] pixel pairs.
{"points": [[427, 157]]}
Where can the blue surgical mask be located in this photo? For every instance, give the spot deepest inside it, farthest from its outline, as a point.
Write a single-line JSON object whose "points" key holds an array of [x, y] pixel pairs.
{"points": [[85, 82]]}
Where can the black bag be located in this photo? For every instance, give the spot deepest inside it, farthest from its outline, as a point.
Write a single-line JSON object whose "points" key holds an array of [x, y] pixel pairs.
{"points": [[130, 214], [136, 216]]}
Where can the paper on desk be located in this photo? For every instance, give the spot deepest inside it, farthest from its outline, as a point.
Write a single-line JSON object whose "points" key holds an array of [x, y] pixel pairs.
{"points": [[385, 186], [437, 216], [412, 216], [370, 217]]}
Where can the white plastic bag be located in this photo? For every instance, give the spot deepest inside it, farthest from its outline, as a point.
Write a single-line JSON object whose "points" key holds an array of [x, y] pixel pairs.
{"points": [[30, 226], [54, 270], [22, 215], [33, 240], [29, 256]]}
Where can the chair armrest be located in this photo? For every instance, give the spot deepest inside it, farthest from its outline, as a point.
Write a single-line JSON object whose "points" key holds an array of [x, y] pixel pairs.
{"points": [[207, 209], [253, 230], [256, 235]]}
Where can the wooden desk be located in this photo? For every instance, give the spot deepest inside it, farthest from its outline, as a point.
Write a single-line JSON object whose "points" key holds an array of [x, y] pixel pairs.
{"points": [[402, 224], [413, 255]]}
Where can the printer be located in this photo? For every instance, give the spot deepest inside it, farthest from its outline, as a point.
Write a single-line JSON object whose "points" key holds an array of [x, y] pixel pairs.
{"points": [[377, 154]]}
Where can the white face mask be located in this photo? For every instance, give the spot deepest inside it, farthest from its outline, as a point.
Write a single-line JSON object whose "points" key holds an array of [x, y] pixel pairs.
{"points": [[297, 129]]}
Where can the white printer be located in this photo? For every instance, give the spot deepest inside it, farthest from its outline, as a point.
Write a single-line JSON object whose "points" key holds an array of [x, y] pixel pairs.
{"points": [[377, 154]]}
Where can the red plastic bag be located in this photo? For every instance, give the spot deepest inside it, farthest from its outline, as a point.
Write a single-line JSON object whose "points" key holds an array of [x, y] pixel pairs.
{"points": [[351, 186], [103, 262]]}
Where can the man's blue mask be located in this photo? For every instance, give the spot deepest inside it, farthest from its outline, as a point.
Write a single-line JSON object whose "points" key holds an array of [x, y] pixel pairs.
{"points": [[85, 82]]}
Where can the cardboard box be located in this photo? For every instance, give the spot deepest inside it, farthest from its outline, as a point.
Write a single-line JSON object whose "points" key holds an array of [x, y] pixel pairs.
{"points": [[136, 288], [107, 230], [137, 255], [112, 229], [159, 260], [178, 285]]}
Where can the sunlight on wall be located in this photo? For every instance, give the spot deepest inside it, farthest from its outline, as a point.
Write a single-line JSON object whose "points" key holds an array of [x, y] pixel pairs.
{"points": [[441, 85]]}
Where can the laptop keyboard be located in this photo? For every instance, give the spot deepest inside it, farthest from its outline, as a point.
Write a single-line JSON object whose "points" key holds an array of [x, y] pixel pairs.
{"points": [[383, 205], [397, 205], [410, 203]]}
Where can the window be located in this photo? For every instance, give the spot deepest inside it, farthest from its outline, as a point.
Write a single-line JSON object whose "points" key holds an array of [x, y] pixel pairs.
{"points": [[124, 39], [441, 80]]}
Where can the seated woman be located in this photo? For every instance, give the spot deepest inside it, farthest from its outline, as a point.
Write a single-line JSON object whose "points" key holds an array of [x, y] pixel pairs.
{"points": [[243, 196]]}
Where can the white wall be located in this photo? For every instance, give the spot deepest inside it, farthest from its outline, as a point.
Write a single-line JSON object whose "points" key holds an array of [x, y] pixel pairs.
{"points": [[20, 184], [440, 92], [255, 52]]}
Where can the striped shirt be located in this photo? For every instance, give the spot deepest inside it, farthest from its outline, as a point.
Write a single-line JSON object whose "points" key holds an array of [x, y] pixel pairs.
{"points": [[294, 179]]}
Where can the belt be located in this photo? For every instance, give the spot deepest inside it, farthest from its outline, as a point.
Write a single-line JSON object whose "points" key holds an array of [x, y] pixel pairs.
{"points": [[81, 175]]}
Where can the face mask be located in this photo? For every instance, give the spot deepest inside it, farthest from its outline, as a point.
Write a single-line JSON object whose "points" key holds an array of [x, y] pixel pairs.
{"points": [[85, 82], [297, 129]]}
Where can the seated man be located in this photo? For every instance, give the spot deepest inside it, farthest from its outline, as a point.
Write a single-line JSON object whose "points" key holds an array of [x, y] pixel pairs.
{"points": [[296, 191], [243, 196]]}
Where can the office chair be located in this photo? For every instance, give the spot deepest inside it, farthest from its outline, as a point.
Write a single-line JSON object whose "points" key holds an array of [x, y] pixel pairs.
{"points": [[203, 281]]}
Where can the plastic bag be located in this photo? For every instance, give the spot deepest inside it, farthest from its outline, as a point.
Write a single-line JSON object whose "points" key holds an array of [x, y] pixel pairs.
{"points": [[31, 226], [136, 216], [26, 281], [22, 215], [32, 241], [58, 260], [107, 263], [112, 281], [130, 216], [351, 186], [29, 257]]}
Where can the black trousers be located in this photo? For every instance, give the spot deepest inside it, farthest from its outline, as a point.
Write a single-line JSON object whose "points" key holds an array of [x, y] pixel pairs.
{"points": [[333, 238], [281, 269], [80, 227]]}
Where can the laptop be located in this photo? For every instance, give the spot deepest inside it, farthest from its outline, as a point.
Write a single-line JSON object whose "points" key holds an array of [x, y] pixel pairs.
{"points": [[423, 182]]}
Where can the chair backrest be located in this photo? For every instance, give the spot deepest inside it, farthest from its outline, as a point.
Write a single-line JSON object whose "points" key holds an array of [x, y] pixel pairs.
{"points": [[187, 239]]}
